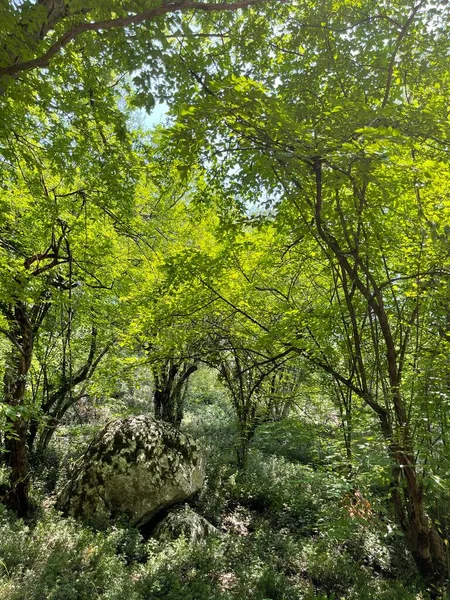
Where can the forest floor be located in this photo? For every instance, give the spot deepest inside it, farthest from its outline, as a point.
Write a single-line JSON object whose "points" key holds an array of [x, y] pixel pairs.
{"points": [[290, 528]]}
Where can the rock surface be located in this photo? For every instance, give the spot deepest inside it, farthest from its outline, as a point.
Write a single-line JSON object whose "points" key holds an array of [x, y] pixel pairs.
{"points": [[133, 469], [184, 522]]}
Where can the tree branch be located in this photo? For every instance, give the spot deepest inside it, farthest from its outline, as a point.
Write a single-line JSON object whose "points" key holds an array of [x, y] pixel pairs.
{"points": [[398, 43], [147, 15], [12, 339]]}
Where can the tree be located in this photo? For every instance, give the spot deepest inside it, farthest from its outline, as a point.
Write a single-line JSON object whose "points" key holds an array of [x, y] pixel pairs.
{"points": [[212, 285], [56, 390], [59, 245], [250, 378], [170, 381]]}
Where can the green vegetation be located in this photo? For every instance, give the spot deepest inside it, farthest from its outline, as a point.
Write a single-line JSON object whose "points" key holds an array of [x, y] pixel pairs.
{"points": [[286, 530], [267, 270]]}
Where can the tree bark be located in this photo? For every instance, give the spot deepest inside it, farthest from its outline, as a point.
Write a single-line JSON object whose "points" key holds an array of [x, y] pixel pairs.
{"points": [[424, 541], [17, 366]]}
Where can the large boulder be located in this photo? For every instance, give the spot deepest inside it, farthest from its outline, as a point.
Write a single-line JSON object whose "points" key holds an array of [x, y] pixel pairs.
{"points": [[133, 469]]}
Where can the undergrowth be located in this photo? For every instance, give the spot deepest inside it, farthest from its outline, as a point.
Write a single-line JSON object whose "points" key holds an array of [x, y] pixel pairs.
{"points": [[288, 529]]}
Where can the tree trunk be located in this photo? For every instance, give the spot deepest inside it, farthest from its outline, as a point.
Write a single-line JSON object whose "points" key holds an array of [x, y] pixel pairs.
{"points": [[422, 538], [167, 407], [46, 436], [32, 433], [59, 401], [242, 452], [18, 496], [169, 395], [424, 541], [247, 425], [18, 363]]}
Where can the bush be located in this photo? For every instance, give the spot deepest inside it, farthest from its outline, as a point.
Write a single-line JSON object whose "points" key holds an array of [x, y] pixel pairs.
{"points": [[60, 560], [295, 440], [288, 494]]}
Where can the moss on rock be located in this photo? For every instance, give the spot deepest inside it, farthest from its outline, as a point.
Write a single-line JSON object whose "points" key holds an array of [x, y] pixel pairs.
{"points": [[133, 469]]}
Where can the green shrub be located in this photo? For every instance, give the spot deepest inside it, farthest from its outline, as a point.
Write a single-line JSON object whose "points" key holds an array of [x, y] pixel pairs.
{"points": [[293, 439], [227, 568], [60, 560], [290, 495]]}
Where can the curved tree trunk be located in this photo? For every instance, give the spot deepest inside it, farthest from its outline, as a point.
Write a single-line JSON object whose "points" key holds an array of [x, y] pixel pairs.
{"points": [[60, 400]]}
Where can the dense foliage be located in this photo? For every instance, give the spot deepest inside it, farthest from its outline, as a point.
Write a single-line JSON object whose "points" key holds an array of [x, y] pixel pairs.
{"points": [[268, 269]]}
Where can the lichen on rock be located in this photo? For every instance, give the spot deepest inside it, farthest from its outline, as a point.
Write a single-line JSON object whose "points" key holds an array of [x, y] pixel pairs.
{"points": [[133, 469]]}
